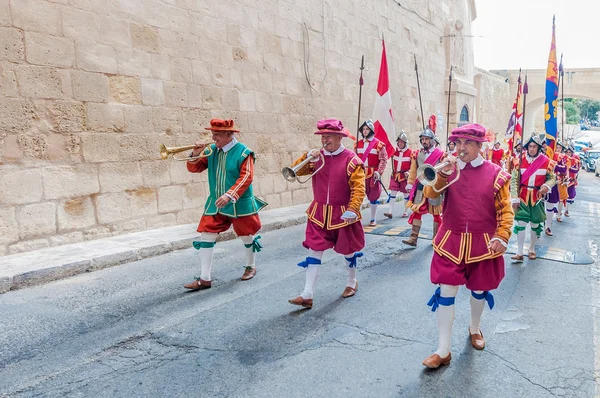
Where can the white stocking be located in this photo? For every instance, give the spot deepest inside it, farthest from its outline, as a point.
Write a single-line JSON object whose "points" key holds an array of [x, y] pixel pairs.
{"points": [[533, 238], [250, 254], [312, 274], [406, 195], [476, 311], [560, 208], [351, 281], [373, 211], [392, 201], [521, 238], [445, 320], [549, 215], [206, 254]]}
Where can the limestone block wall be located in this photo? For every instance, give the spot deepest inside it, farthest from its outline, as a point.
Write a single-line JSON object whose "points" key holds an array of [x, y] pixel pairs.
{"points": [[494, 102], [90, 88]]}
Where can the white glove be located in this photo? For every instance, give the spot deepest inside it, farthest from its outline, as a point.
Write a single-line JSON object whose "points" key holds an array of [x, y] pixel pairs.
{"points": [[376, 176], [408, 187], [349, 215]]}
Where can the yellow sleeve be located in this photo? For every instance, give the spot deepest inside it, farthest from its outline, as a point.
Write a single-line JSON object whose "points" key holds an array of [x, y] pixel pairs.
{"points": [[504, 213], [412, 173], [440, 183], [357, 189], [307, 169]]}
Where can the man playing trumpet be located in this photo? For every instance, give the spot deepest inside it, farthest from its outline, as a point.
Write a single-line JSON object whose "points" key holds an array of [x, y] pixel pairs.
{"points": [[338, 180], [231, 200], [469, 245]]}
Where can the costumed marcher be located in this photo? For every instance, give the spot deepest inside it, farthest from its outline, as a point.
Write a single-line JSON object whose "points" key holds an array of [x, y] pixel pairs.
{"points": [[470, 243], [536, 180], [558, 194], [231, 200], [451, 148], [497, 154], [372, 153], [574, 164], [417, 202], [334, 213], [399, 177], [513, 161]]}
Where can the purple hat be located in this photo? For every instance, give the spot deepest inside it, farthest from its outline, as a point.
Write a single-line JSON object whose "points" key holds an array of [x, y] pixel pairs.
{"points": [[331, 126], [474, 132]]}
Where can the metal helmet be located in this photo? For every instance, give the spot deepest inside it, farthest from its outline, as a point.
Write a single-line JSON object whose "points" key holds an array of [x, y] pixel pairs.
{"points": [[402, 137], [369, 124], [497, 142], [427, 133], [536, 139], [561, 144]]}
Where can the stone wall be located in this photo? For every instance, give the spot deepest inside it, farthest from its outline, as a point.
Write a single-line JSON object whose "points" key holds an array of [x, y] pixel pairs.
{"points": [[494, 102], [90, 88]]}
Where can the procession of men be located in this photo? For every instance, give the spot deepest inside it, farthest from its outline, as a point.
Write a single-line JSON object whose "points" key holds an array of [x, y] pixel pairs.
{"points": [[474, 203]]}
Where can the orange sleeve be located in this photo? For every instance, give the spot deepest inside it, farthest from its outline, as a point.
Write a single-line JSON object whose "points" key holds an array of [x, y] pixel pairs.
{"points": [[307, 169], [504, 213], [198, 165], [412, 173], [357, 188], [244, 180]]}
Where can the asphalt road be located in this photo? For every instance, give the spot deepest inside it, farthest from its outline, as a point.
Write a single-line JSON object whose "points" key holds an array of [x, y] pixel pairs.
{"points": [[132, 330]]}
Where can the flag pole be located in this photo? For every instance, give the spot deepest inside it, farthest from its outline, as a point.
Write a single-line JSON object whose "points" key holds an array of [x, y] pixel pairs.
{"points": [[561, 80], [360, 85], [448, 113], [419, 89], [516, 111], [525, 91]]}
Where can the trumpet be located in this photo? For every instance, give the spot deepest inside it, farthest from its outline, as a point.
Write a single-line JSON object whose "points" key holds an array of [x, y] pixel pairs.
{"points": [[428, 175], [291, 173], [165, 151]]}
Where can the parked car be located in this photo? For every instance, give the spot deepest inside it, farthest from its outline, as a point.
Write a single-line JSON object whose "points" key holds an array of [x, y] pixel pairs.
{"points": [[584, 127], [588, 160], [597, 167]]}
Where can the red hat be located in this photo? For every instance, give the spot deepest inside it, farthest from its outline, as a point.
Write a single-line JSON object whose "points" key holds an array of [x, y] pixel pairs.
{"points": [[221, 125], [331, 126], [474, 132]]}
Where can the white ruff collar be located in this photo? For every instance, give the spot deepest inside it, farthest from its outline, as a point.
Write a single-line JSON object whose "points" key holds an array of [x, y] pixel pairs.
{"points": [[478, 161]]}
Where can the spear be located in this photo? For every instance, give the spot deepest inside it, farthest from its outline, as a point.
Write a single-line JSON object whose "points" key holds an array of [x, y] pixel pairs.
{"points": [[419, 88], [360, 85], [448, 113], [525, 91], [516, 110], [561, 79]]}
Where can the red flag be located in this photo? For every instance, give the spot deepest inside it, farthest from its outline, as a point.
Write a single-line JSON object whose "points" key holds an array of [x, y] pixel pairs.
{"points": [[382, 114]]}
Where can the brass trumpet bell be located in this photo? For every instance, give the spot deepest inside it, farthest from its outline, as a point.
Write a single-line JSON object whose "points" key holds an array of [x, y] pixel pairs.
{"points": [[428, 175], [165, 151], [290, 173]]}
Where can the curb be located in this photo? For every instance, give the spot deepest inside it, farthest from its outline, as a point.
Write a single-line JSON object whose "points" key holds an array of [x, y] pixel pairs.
{"points": [[109, 253]]}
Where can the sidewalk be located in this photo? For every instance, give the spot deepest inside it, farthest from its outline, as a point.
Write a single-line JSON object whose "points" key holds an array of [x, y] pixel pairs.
{"points": [[44, 265]]}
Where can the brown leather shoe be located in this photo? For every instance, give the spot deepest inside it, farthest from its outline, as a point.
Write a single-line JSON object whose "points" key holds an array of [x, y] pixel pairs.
{"points": [[306, 303], [434, 361], [388, 215], [349, 292], [532, 255], [198, 284], [249, 273], [548, 232], [517, 258], [477, 340], [567, 214]]}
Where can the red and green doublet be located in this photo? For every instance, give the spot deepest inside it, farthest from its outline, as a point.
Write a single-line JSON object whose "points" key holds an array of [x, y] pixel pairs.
{"points": [[223, 174]]}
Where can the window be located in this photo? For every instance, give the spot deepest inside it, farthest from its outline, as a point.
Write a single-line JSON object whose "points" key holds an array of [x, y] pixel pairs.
{"points": [[464, 114]]}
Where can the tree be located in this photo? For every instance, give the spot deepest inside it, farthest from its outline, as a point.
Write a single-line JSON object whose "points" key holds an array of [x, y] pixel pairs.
{"points": [[572, 112], [589, 109]]}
